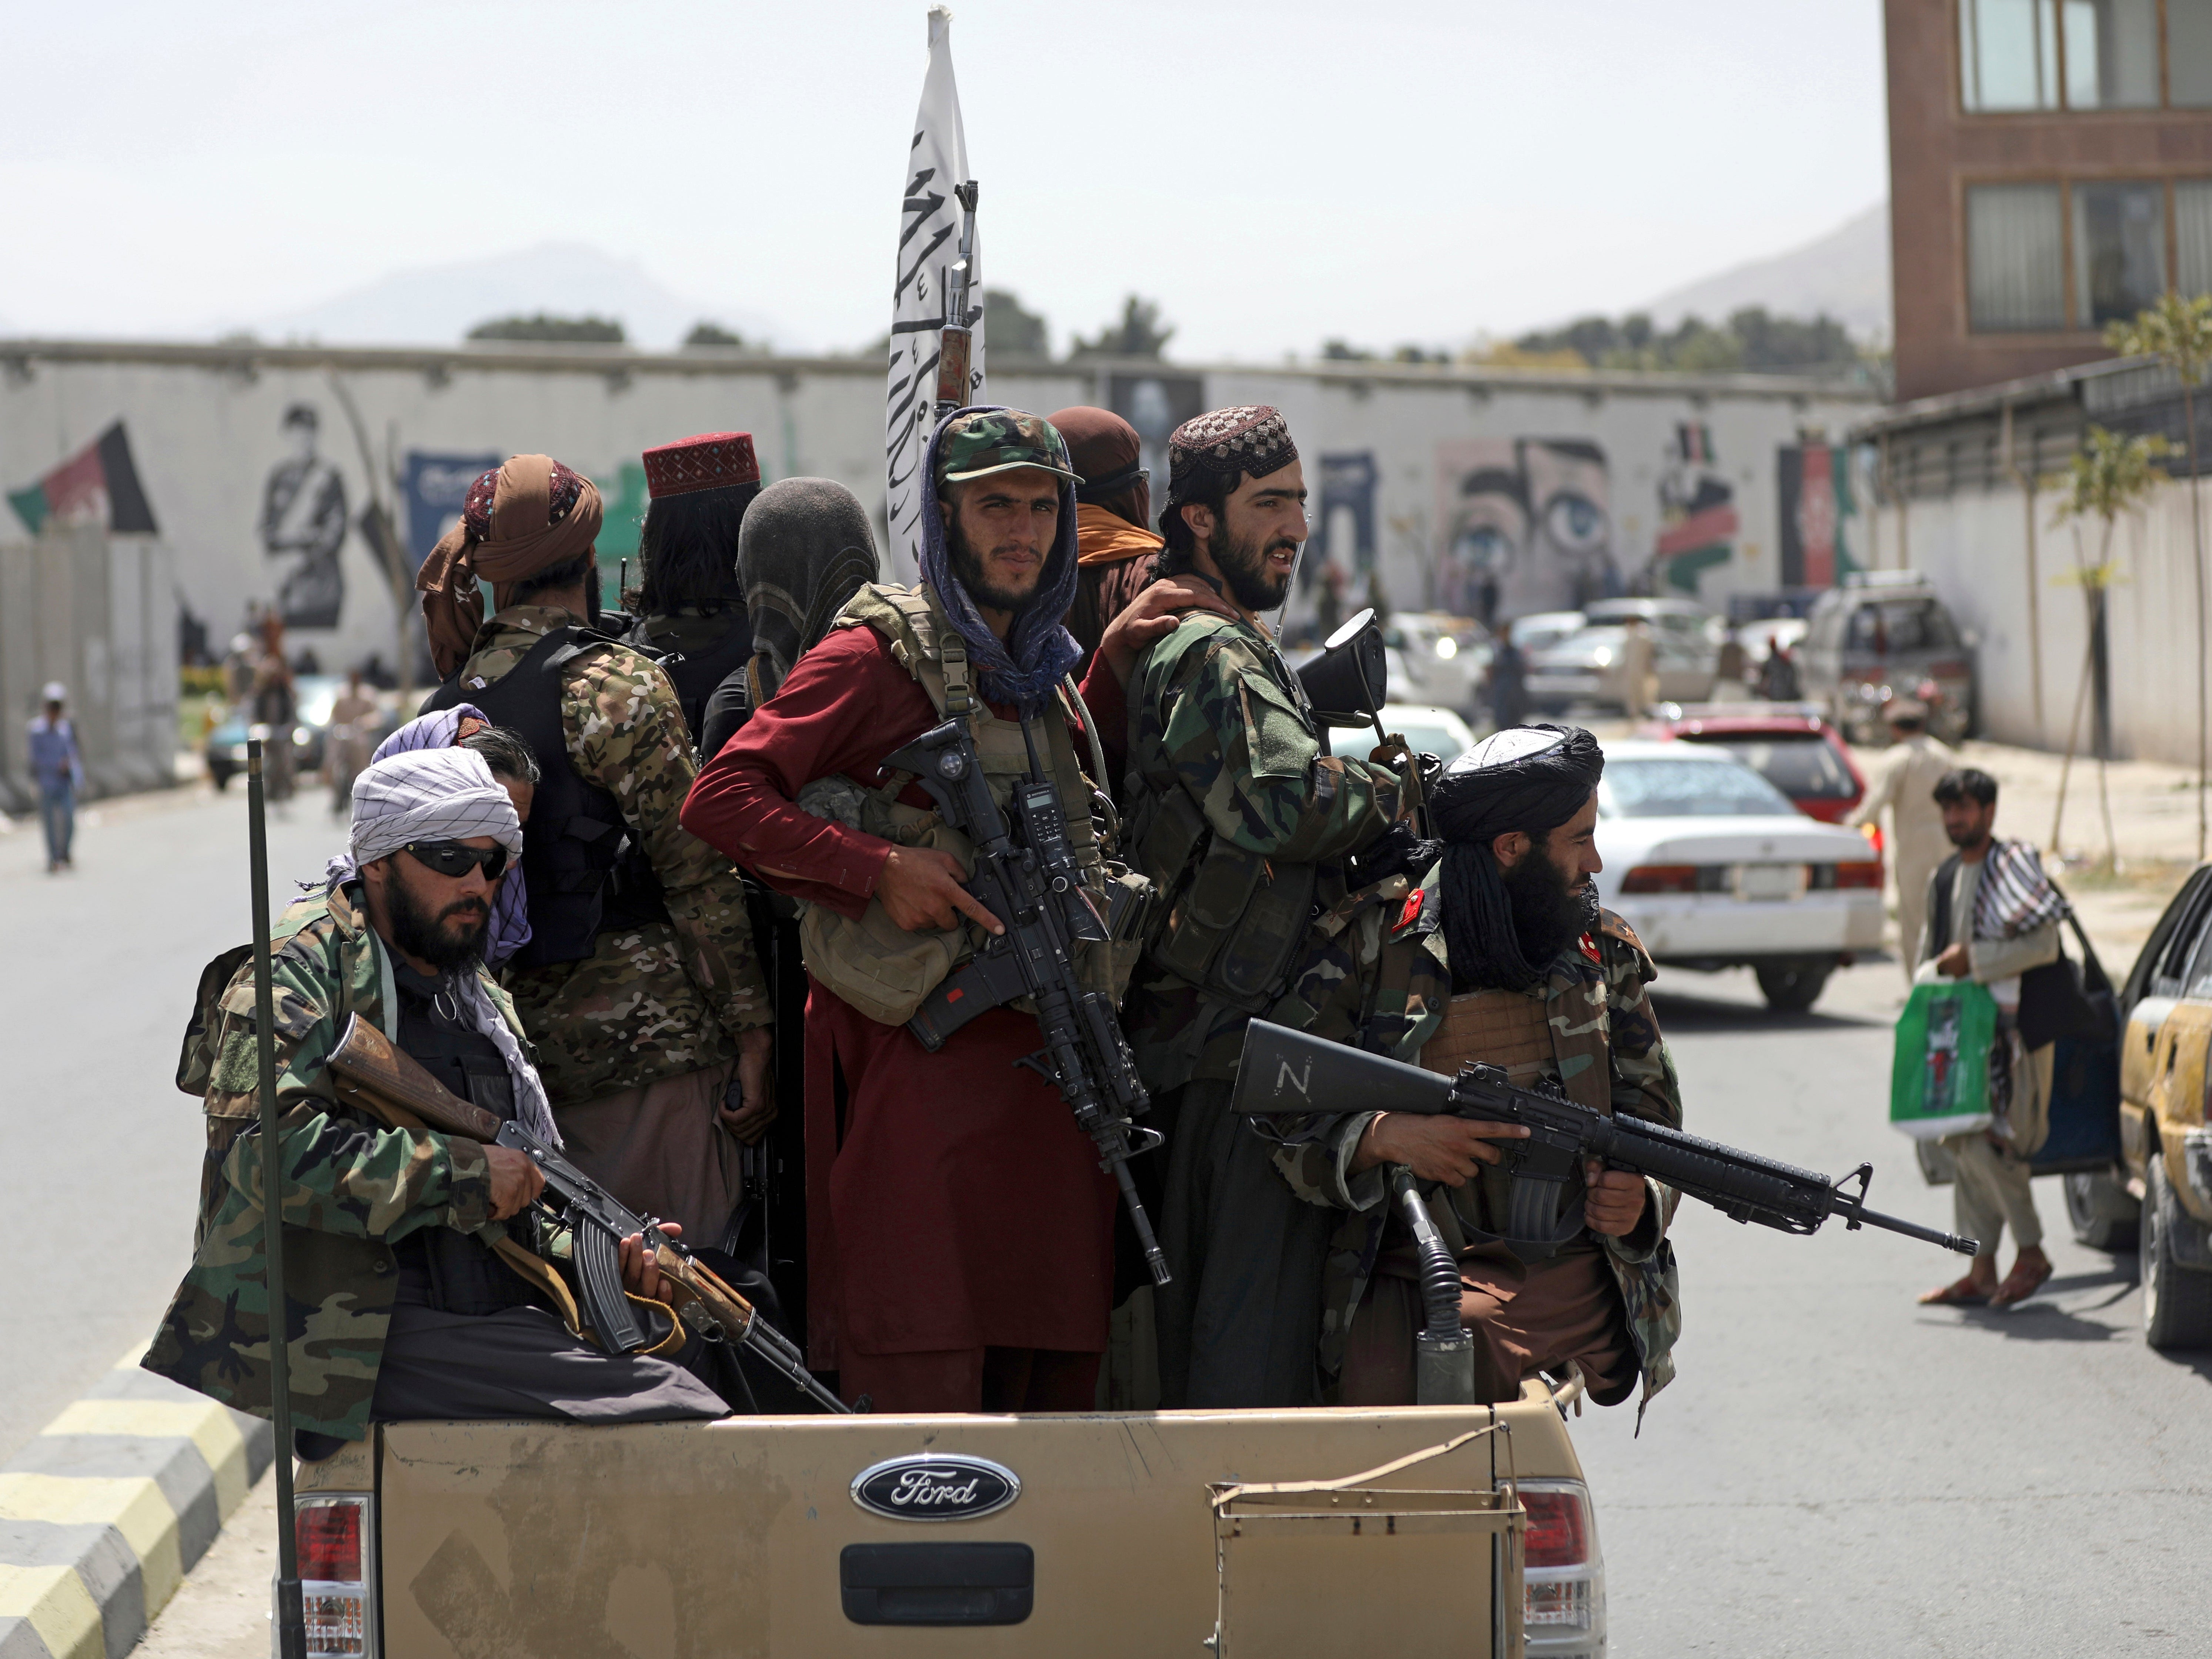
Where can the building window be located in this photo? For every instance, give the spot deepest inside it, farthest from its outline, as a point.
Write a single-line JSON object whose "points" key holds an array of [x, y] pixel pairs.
{"points": [[2111, 52], [2009, 54], [2015, 258], [2192, 236], [2119, 251], [2027, 55], [2189, 53]]}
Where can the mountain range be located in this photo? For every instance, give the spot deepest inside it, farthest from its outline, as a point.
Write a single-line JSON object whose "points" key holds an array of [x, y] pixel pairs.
{"points": [[1845, 273]]}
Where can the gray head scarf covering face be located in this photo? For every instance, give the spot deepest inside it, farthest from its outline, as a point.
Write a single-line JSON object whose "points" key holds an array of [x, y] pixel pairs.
{"points": [[803, 549]]}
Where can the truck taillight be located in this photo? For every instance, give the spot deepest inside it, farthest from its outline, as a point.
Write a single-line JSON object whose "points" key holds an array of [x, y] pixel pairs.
{"points": [[1562, 1601], [1661, 879], [336, 1537]]}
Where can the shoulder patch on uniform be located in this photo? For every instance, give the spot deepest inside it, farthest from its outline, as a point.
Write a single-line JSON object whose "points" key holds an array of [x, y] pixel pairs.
{"points": [[1615, 926]]}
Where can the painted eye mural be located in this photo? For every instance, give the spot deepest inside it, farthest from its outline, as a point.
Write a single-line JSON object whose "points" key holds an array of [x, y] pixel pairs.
{"points": [[1528, 524]]}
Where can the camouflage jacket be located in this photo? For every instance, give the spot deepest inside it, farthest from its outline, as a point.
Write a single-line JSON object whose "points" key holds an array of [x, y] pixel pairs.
{"points": [[354, 1189], [1211, 714], [665, 997], [1597, 1005]]}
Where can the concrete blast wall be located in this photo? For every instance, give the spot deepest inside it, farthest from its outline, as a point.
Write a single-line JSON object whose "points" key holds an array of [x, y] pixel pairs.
{"points": [[99, 614]]}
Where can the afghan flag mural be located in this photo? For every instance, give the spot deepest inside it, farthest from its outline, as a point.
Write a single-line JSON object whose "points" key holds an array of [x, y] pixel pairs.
{"points": [[1814, 483], [1698, 522], [99, 485]]}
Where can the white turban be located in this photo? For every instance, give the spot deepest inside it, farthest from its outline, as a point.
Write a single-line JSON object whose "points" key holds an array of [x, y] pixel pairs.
{"points": [[446, 794], [429, 794]]}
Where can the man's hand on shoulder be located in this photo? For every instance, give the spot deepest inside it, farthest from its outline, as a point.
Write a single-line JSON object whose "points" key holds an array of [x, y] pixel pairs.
{"points": [[1153, 614], [921, 887]]}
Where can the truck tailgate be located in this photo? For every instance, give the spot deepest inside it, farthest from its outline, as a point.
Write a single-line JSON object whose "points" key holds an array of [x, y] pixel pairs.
{"points": [[1112, 1534]]}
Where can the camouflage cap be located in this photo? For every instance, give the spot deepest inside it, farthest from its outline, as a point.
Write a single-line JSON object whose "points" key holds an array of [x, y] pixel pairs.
{"points": [[998, 440]]}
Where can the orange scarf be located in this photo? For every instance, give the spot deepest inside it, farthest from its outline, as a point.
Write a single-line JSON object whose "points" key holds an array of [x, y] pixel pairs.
{"points": [[1105, 538]]}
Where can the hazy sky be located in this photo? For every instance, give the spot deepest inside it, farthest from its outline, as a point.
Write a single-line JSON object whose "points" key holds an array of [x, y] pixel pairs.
{"points": [[1273, 173]]}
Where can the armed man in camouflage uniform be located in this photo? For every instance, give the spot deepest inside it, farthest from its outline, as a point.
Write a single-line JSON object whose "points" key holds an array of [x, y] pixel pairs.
{"points": [[1551, 988], [418, 1280], [1247, 824], [640, 980]]}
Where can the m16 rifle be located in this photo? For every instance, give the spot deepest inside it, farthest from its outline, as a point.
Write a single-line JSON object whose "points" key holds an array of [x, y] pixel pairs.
{"points": [[1286, 1074], [369, 1072], [1026, 876]]}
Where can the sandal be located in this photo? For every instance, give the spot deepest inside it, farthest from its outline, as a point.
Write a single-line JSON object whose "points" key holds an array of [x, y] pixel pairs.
{"points": [[2019, 1283], [1965, 1293]]}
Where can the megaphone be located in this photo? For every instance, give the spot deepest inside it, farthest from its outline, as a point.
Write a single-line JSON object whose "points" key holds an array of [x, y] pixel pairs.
{"points": [[1350, 680]]}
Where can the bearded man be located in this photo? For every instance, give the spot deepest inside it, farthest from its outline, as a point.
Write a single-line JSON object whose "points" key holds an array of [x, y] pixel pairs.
{"points": [[960, 1232], [416, 1279], [1115, 543], [1246, 824], [1550, 986]]}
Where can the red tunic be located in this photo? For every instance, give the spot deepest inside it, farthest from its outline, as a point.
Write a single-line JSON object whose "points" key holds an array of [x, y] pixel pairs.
{"points": [[957, 1205]]}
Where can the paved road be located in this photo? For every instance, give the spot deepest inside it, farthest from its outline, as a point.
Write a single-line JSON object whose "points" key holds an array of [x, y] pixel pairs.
{"points": [[100, 1175], [1838, 1472]]}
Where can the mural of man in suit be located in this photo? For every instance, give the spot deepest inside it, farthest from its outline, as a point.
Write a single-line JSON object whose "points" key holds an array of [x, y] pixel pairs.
{"points": [[303, 518]]}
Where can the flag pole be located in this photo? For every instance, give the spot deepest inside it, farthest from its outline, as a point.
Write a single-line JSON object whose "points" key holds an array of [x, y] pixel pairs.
{"points": [[291, 1622]]}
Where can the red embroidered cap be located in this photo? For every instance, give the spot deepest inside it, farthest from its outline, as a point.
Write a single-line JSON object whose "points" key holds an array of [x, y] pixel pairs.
{"points": [[712, 460]]}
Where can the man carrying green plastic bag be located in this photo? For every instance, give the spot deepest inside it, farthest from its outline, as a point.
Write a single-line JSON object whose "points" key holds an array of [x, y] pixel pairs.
{"points": [[1965, 1070]]}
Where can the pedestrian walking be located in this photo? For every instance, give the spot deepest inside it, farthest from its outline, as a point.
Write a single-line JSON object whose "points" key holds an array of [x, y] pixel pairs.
{"points": [[58, 766], [1509, 684], [1993, 917], [1904, 781]]}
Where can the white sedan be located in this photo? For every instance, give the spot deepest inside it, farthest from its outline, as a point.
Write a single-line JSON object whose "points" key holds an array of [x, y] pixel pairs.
{"points": [[1714, 868]]}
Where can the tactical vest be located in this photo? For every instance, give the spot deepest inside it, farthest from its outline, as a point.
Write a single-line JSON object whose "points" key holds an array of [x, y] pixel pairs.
{"points": [[1231, 919], [585, 873], [885, 970], [696, 672]]}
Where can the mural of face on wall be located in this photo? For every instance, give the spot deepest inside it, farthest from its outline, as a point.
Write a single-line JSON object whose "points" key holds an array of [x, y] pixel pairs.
{"points": [[1527, 526], [303, 520]]}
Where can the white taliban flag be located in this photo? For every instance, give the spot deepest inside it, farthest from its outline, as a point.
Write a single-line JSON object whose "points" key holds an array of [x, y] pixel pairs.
{"points": [[929, 246]]}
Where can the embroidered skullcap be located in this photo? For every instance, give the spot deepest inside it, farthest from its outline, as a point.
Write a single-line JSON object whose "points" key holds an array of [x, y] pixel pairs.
{"points": [[1527, 778], [429, 794], [1251, 439], [712, 460]]}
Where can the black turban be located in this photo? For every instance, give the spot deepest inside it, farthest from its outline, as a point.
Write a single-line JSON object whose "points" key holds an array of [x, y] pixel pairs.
{"points": [[1528, 778]]}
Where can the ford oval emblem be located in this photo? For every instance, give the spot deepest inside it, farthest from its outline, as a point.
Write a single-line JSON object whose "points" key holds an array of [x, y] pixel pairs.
{"points": [[924, 1488]]}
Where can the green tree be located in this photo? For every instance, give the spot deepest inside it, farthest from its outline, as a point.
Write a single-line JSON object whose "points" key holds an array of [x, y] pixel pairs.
{"points": [[2109, 476], [1010, 327], [2179, 333], [706, 333], [544, 325], [1138, 334]]}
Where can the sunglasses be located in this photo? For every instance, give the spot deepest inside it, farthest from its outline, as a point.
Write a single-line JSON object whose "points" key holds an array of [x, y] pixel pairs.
{"points": [[454, 860]]}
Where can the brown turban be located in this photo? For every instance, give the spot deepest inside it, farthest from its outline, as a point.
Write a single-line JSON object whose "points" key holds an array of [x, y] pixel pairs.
{"points": [[1103, 447], [528, 516]]}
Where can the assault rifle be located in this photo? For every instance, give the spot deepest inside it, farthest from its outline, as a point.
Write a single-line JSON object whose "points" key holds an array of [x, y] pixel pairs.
{"points": [[390, 1084], [1285, 1073], [1026, 876]]}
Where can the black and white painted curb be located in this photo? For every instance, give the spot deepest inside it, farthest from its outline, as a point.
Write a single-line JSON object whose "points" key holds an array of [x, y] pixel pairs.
{"points": [[103, 1514]]}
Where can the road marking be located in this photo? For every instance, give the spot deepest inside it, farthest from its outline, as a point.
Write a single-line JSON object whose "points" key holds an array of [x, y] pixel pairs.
{"points": [[133, 1505], [204, 1422]]}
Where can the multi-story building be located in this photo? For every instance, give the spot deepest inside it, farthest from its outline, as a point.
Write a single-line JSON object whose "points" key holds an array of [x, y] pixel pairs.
{"points": [[2050, 168]]}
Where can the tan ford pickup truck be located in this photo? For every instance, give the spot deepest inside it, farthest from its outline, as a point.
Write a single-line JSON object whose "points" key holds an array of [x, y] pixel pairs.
{"points": [[1460, 1530]]}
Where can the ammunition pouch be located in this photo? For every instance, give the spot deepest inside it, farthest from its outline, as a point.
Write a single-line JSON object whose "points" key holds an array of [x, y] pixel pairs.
{"points": [[1234, 923]]}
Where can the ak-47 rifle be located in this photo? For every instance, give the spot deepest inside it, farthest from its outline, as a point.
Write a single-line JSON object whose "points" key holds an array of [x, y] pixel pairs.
{"points": [[956, 340], [1027, 877], [370, 1072], [1286, 1074]]}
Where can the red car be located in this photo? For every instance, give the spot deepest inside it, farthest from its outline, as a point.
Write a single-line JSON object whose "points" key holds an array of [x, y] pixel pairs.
{"points": [[1788, 744]]}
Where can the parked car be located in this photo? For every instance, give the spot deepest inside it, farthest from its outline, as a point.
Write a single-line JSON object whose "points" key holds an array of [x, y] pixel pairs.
{"points": [[1587, 666], [1788, 745], [313, 697], [1540, 629], [1715, 868], [1444, 656], [1438, 731], [2158, 1199], [1886, 633]]}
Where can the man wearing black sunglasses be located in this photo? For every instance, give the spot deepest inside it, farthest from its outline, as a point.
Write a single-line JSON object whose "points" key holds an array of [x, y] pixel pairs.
{"points": [[409, 1292]]}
